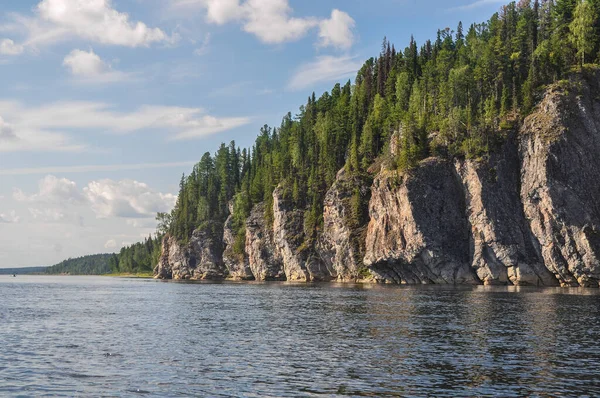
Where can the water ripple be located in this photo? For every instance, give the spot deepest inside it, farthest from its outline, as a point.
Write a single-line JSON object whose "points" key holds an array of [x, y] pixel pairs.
{"points": [[117, 337]]}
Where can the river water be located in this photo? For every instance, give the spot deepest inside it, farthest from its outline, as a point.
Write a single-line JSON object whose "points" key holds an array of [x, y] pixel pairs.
{"points": [[95, 336]]}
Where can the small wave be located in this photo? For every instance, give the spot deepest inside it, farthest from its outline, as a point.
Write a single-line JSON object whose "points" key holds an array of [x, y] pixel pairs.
{"points": [[138, 391], [84, 376]]}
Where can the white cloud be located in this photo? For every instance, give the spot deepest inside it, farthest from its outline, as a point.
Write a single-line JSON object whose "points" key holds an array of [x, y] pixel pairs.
{"points": [[10, 218], [126, 199], [9, 47], [24, 138], [106, 198], [36, 128], [52, 190], [110, 244], [92, 20], [324, 69], [91, 168], [88, 66], [98, 21], [337, 31], [222, 11], [271, 21]]}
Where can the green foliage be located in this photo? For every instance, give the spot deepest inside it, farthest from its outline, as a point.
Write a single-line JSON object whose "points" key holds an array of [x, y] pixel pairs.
{"points": [[138, 258], [454, 96], [583, 35], [98, 264]]}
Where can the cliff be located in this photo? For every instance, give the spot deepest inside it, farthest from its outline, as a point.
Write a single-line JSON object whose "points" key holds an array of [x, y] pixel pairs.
{"points": [[341, 244], [560, 180], [526, 214], [201, 258]]}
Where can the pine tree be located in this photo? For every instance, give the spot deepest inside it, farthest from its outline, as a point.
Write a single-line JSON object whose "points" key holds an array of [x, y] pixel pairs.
{"points": [[582, 29]]}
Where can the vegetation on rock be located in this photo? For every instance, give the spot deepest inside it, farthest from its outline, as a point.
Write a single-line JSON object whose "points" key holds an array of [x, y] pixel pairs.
{"points": [[454, 97]]}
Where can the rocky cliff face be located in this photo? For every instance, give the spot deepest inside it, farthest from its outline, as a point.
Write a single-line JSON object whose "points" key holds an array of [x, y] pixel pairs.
{"points": [[527, 214], [264, 259], [300, 261], [237, 264], [201, 258], [503, 250], [341, 245], [418, 232], [560, 180]]}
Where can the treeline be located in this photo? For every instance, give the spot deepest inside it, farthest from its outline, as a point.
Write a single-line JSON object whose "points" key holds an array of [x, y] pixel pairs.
{"points": [[97, 264], [22, 271], [135, 259], [455, 96], [138, 258]]}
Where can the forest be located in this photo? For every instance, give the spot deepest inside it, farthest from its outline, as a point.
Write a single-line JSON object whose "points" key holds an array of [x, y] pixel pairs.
{"points": [[97, 264], [458, 95]]}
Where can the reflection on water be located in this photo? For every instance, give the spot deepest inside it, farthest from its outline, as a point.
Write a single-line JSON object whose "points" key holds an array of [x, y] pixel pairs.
{"points": [[116, 337]]}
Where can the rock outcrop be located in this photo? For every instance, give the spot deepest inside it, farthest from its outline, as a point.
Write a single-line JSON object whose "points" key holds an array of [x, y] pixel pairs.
{"points": [[263, 258], [237, 264], [201, 258], [341, 245], [300, 262], [418, 232], [560, 180], [528, 213], [503, 249]]}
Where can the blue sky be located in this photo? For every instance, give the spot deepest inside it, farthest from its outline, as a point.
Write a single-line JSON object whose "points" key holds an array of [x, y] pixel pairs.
{"points": [[104, 104]]}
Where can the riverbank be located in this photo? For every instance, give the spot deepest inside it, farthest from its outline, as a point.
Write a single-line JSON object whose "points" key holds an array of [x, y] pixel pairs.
{"points": [[143, 275]]}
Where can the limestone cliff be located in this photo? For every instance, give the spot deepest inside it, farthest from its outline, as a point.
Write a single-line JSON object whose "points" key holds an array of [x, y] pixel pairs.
{"points": [[560, 179], [341, 245], [526, 214], [300, 261], [201, 258], [264, 259], [502, 248], [418, 232], [237, 264]]}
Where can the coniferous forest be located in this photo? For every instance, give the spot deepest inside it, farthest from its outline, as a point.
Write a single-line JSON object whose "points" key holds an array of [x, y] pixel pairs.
{"points": [[455, 96], [97, 264]]}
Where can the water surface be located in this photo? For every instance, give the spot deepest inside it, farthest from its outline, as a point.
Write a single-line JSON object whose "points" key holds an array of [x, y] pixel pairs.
{"points": [[93, 336]]}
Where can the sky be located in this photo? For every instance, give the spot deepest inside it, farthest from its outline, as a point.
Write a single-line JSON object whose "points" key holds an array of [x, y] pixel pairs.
{"points": [[106, 103]]}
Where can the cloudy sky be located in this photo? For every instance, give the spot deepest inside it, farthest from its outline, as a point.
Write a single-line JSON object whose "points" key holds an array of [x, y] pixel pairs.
{"points": [[104, 104]]}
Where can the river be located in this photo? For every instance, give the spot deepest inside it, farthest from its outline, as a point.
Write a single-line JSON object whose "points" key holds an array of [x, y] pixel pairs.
{"points": [[100, 336]]}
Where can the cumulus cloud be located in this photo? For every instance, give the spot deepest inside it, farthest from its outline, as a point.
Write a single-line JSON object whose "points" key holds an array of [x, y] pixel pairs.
{"points": [[324, 69], [89, 67], [271, 21], [337, 31], [9, 218], [221, 11], [38, 128], [59, 199], [93, 20], [9, 47], [52, 190], [126, 199]]}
